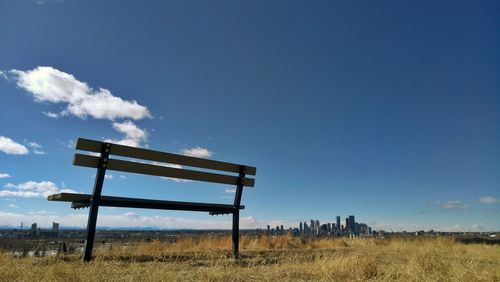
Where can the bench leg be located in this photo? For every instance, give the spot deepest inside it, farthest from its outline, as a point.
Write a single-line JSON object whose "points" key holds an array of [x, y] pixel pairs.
{"points": [[95, 200], [236, 232], [236, 212], [91, 224]]}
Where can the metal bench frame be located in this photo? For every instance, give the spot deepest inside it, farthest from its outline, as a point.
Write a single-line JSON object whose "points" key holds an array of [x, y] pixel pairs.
{"points": [[104, 163]]}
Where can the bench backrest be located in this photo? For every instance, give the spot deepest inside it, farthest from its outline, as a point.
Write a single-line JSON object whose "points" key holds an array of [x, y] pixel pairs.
{"points": [[151, 162], [162, 164]]}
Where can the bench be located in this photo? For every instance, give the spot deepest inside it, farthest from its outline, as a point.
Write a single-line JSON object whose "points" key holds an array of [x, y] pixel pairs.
{"points": [[150, 162]]}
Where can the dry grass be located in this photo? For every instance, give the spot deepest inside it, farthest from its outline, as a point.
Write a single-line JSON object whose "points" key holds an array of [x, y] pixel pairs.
{"points": [[207, 258]]}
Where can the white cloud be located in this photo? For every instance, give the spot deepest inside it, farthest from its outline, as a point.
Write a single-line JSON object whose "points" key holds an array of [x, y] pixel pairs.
{"points": [[70, 144], [489, 200], [4, 175], [125, 142], [41, 2], [107, 176], [165, 165], [452, 205], [14, 206], [178, 180], [52, 115], [134, 136], [41, 212], [9, 146], [32, 189], [36, 148], [50, 85], [229, 190], [131, 215], [130, 130], [197, 152]]}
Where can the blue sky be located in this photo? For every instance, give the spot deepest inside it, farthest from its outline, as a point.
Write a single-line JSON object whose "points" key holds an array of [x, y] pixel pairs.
{"points": [[387, 110]]}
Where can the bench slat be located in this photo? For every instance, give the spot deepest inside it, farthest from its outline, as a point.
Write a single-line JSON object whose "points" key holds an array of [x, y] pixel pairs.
{"points": [[158, 170], [110, 201], [69, 197], [146, 154], [85, 160]]}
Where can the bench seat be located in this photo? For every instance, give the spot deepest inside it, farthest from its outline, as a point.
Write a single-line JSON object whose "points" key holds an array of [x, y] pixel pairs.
{"points": [[83, 201]]}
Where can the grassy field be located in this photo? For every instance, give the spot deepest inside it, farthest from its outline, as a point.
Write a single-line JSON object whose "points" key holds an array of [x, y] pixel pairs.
{"points": [[207, 258]]}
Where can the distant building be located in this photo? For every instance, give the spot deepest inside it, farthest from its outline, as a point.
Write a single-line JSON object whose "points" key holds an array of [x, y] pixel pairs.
{"points": [[323, 229], [55, 227], [363, 228], [356, 228], [307, 229], [34, 231], [351, 226]]}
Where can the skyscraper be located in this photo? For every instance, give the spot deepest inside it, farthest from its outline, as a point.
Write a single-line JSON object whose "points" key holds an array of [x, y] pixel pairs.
{"points": [[306, 229], [351, 226], [338, 224], [300, 228]]}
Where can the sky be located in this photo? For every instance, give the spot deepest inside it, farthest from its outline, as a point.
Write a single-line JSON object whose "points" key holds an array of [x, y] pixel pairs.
{"points": [[386, 110]]}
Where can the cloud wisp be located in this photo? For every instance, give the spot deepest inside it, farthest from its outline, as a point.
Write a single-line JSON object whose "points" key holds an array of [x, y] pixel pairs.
{"points": [[4, 175], [35, 148], [489, 200], [52, 115], [197, 152], [452, 205]]}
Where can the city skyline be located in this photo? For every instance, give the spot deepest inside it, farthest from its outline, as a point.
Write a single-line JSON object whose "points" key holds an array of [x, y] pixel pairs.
{"points": [[388, 111]]}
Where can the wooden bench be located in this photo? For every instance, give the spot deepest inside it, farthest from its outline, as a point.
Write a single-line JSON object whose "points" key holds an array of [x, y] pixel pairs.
{"points": [[160, 164]]}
